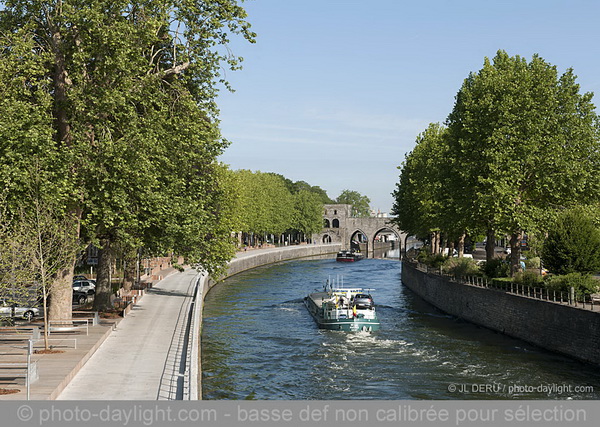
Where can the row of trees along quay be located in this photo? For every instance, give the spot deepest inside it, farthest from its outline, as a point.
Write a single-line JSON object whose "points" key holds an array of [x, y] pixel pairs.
{"points": [[518, 156], [270, 208], [109, 135]]}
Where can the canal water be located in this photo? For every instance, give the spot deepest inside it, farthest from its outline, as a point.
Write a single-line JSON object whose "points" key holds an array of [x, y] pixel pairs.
{"points": [[259, 342]]}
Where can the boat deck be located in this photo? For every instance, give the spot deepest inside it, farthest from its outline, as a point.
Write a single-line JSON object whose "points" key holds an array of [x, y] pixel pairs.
{"points": [[319, 297]]}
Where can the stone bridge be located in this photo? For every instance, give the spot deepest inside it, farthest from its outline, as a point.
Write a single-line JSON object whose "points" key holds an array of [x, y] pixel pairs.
{"points": [[367, 234]]}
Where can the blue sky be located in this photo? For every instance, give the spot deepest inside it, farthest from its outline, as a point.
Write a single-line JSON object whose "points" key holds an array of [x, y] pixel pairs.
{"points": [[335, 92]]}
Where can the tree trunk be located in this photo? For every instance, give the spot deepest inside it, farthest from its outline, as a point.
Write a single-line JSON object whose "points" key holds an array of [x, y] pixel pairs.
{"points": [[129, 270], [61, 291], [461, 245], [435, 242], [61, 82], [103, 283], [515, 252], [490, 245]]}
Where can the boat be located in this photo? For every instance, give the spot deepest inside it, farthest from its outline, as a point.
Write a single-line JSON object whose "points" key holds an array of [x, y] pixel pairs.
{"points": [[348, 256], [343, 309]]}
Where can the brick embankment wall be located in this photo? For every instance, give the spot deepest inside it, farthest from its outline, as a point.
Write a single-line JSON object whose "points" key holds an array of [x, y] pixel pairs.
{"points": [[560, 328]]}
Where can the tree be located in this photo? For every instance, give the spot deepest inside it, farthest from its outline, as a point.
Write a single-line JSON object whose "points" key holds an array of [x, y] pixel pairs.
{"points": [[360, 203], [524, 143], [36, 244], [117, 100], [308, 213], [418, 204], [266, 204], [573, 244]]}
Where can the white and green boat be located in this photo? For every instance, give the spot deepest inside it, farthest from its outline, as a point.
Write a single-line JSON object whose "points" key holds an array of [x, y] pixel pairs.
{"points": [[343, 309]]}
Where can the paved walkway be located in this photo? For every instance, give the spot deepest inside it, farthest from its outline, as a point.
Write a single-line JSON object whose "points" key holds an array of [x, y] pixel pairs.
{"points": [[141, 359], [56, 370]]}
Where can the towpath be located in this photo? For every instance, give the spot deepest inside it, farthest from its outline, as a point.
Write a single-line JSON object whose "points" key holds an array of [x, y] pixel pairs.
{"points": [[141, 359]]}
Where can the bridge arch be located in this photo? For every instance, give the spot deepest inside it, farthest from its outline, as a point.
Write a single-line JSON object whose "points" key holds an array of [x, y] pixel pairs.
{"points": [[359, 240], [386, 238]]}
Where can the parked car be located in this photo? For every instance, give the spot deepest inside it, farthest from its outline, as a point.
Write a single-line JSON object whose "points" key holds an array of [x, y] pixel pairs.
{"points": [[80, 277], [87, 286], [363, 301], [20, 310], [80, 297]]}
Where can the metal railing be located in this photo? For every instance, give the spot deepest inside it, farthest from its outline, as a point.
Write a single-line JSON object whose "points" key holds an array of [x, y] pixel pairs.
{"points": [[538, 293]]}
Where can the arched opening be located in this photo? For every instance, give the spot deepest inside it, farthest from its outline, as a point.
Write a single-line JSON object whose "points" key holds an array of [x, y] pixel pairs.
{"points": [[326, 223], [359, 242], [335, 223], [326, 238], [386, 243]]}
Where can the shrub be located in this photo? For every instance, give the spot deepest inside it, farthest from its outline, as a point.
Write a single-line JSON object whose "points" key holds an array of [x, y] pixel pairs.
{"points": [[497, 267], [528, 278], [534, 262], [436, 261], [584, 284], [422, 256], [178, 267], [461, 267], [572, 245]]}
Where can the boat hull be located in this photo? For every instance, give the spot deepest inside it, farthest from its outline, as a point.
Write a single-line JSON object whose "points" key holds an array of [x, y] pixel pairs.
{"points": [[348, 256], [339, 259]]}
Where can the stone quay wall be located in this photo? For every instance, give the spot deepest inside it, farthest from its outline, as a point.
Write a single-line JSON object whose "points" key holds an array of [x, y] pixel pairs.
{"points": [[560, 328], [256, 258]]}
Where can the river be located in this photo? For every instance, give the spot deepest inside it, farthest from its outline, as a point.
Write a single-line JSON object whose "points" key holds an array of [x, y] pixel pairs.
{"points": [[259, 342]]}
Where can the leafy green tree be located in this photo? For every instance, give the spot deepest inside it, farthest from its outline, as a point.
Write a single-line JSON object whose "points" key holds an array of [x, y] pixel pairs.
{"points": [[299, 186], [266, 204], [417, 197], [35, 244], [117, 100], [296, 187], [573, 244], [525, 142], [360, 203], [308, 213]]}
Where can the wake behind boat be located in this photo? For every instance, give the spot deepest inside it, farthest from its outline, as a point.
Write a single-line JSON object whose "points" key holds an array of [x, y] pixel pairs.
{"points": [[343, 309]]}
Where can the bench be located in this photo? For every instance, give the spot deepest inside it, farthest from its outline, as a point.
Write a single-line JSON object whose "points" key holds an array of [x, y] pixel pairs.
{"points": [[15, 370], [92, 317], [32, 331], [69, 326]]}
